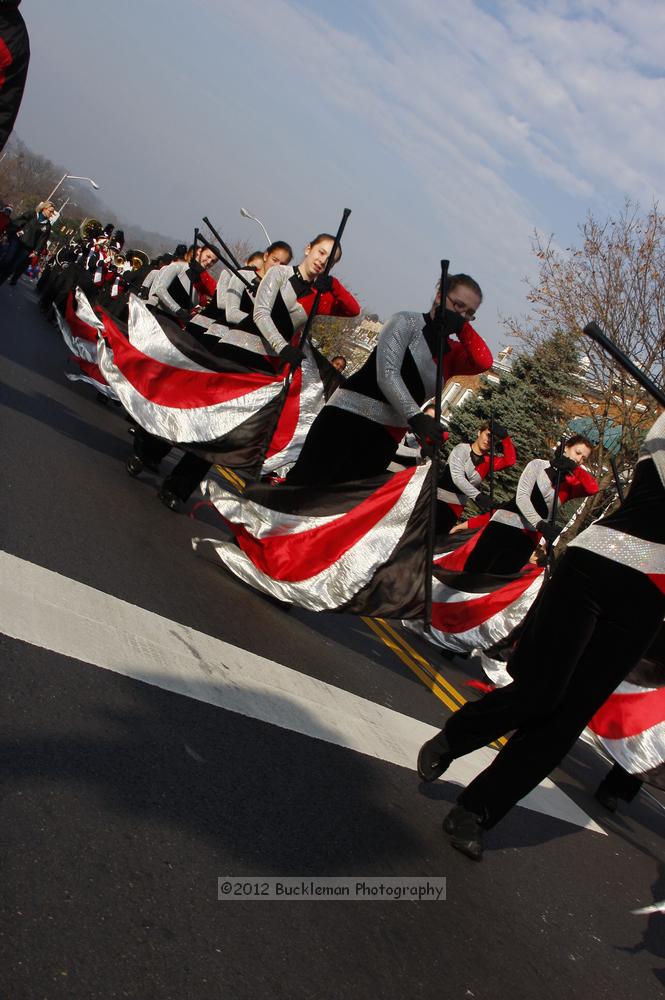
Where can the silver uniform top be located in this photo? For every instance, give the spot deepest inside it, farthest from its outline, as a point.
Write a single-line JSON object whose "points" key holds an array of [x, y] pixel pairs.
{"points": [[160, 287], [235, 289], [461, 480], [401, 335], [634, 534], [277, 282]]}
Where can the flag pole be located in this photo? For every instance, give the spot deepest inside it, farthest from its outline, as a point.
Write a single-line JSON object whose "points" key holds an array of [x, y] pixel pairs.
{"points": [[434, 470]]}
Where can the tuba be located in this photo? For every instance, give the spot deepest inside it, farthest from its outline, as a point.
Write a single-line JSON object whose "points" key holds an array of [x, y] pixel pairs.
{"points": [[90, 229], [138, 259]]}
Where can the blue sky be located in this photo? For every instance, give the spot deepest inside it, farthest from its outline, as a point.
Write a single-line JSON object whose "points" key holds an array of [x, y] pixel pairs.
{"points": [[450, 129]]}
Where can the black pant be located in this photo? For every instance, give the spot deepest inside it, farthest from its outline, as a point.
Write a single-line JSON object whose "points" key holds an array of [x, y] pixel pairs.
{"points": [[14, 262], [593, 622], [341, 447], [501, 550], [186, 474]]}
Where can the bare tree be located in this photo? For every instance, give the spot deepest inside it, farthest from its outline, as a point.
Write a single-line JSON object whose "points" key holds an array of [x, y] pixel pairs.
{"points": [[616, 277]]}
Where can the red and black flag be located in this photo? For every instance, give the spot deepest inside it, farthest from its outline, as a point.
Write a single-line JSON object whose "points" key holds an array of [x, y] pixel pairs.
{"points": [[80, 328], [475, 610], [354, 547], [14, 60], [197, 392], [631, 723]]}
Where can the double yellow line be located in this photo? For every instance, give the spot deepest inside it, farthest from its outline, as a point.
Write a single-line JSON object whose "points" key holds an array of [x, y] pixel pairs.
{"points": [[421, 667], [231, 477]]}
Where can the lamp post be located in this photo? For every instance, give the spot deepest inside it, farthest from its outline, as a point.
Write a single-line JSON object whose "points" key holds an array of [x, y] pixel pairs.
{"points": [[245, 214], [72, 177]]}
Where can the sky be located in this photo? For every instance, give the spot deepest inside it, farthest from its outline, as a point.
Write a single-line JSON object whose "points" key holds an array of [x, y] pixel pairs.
{"points": [[450, 129]]}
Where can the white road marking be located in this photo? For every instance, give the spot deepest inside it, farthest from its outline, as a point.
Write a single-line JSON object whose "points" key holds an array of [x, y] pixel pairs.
{"points": [[53, 612]]}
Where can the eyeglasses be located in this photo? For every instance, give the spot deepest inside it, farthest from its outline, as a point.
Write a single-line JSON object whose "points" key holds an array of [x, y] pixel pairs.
{"points": [[462, 308]]}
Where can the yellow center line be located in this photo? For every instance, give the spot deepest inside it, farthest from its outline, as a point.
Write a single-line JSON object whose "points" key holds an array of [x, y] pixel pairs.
{"points": [[421, 667]]}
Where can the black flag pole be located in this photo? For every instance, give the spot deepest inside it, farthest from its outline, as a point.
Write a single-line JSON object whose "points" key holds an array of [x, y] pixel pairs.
{"points": [[491, 473], [301, 341], [221, 242], [191, 282], [326, 271], [594, 331], [434, 471], [555, 505], [617, 481], [227, 264]]}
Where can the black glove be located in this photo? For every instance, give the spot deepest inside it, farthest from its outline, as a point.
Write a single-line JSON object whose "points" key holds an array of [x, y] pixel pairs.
{"points": [[563, 464], [427, 429], [450, 322], [194, 271], [499, 430], [292, 356], [323, 283], [548, 530], [483, 502]]}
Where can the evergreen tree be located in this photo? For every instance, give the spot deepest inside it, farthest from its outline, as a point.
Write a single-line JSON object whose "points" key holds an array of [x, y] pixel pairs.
{"points": [[530, 400]]}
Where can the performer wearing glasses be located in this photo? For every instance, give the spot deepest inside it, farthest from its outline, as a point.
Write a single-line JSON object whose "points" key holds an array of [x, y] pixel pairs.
{"points": [[357, 433]]}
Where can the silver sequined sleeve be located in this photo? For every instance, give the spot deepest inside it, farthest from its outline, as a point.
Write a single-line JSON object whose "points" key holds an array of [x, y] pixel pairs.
{"points": [[399, 333], [457, 463], [163, 280], [654, 446], [525, 486], [266, 296], [222, 285], [233, 298]]}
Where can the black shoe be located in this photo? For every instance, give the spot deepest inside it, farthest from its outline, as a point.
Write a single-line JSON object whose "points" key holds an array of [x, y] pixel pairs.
{"points": [[169, 499], [606, 799], [465, 831], [134, 465], [434, 758]]}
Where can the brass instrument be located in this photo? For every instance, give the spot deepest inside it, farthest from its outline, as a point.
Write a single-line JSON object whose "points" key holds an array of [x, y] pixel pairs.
{"points": [[119, 260], [138, 259], [90, 229]]}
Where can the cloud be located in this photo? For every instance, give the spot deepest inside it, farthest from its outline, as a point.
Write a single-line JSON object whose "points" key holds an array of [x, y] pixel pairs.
{"points": [[454, 127]]}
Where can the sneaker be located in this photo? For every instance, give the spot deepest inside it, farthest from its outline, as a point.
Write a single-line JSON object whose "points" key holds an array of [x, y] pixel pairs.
{"points": [[434, 758], [465, 831]]}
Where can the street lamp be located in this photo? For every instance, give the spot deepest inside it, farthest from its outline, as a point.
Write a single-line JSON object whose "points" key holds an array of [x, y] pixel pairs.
{"points": [[72, 177], [245, 214]]}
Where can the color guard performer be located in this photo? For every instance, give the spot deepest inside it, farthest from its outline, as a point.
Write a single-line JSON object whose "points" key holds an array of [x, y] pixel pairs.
{"points": [[595, 619], [357, 433]]}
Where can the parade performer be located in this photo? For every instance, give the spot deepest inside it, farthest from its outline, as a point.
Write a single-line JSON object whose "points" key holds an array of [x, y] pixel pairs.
{"points": [[175, 290], [28, 234], [377, 405], [232, 306], [516, 528], [594, 621], [467, 466], [14, 61], [190, 393]]}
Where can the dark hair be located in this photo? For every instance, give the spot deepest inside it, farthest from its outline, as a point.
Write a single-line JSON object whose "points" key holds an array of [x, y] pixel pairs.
{"points": [[280, 245], [578, 439], [338, 357], [455, 280], [326, 236], [253, 255]]}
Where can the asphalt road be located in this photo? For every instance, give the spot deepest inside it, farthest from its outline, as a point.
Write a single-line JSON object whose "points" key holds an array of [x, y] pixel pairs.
{"points": [[124, 801]]}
